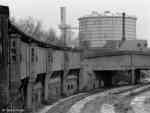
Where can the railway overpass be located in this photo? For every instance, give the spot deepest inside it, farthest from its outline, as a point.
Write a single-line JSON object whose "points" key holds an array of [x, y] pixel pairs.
{"points": [[113, 60]]}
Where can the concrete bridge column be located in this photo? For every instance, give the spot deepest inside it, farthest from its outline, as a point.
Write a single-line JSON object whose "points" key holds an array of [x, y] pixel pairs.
{"points": [[82, 79], [78, 74], [63, 80], [133, 76], [29, 96], [29, 99], [46, 90], [137, 76]]}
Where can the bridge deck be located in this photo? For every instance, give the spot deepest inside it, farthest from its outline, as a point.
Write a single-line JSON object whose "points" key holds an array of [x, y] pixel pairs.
{"points": [[117, 59]]}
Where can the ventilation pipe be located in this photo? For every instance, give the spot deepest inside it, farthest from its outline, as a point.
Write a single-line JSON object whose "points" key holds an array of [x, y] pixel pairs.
{"points": [[123, 30], [123, 27]]}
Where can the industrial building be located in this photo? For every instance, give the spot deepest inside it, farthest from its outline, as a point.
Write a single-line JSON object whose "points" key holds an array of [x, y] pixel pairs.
{"points": [[35, 71]]}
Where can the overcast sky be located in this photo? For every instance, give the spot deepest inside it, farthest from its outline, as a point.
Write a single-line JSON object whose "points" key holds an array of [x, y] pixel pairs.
{"points": [[48, 11]]}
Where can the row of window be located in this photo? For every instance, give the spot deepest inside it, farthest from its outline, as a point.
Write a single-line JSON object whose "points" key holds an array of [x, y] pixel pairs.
{"points": [[13, 53], [34, 57]]}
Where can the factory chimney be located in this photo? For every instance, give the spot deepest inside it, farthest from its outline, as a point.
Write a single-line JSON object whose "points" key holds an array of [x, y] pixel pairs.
{"points": [[63, 25], [63, 16], [63, 28]]}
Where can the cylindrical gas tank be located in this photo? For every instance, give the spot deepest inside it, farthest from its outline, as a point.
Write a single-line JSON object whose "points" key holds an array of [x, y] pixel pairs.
{"points": [[96, 28]]}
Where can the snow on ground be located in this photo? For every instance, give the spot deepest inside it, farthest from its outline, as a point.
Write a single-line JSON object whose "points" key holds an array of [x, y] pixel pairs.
{"points": [[137, 103], [140, 104], [76, 108], [107, 108], [48, 107]]}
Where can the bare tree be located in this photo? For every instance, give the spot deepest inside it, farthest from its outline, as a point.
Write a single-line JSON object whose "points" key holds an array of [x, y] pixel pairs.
{"points": [[35, 29], [31, 26], [51, 35]]}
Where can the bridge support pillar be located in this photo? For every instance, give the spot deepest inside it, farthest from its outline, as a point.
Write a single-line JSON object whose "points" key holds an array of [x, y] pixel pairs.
{"points": [[63, 80], [78, 81], [46, 88], [47, 78], [133, 76], [29, 96], [137, 76]]}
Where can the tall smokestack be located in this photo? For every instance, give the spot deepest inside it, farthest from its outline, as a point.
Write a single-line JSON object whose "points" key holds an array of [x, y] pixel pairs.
{"points": [[63, 28], [63, 15], [123, 27], [63, 25]]}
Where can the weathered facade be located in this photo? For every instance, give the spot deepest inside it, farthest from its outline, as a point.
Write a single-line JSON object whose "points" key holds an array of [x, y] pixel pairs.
{"points": [[35, 71], [109, 62]]}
